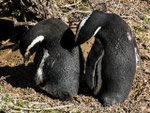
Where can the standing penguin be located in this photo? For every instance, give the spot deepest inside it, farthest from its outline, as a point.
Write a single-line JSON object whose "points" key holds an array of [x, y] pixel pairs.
{"points": [[111, 63], [58, 64]]}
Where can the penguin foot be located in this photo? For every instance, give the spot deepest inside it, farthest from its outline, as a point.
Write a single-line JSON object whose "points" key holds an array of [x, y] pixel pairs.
{"points": [[109, 100]]}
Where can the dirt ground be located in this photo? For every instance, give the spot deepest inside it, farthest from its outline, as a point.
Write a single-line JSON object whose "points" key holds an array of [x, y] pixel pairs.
{"points": [[18, 92]]}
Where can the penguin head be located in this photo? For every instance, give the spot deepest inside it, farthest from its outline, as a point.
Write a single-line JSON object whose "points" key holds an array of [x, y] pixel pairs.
{"points": [[90, 26], [29, 45]]}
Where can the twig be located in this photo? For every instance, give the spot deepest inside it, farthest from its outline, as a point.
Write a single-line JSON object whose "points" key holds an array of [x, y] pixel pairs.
{"points": [[70, 5], [124, 16], [117, 6], [15, 47], [80, 11], [52, 8], [5, 42], [4, 77], [136, 20], [40, 103], [75, 11], [45, 109], [70, 12], [24, 23], [138, 10], [90, 5], [15, 111]]}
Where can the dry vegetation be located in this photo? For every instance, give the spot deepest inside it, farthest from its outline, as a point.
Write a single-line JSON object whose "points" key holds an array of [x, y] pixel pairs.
{"points": [[17, 89]]}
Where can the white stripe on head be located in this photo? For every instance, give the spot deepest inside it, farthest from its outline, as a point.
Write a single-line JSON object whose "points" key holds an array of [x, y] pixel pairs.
{"points": [[81, 25], [97, 30], [39, 73], [35, 41]]}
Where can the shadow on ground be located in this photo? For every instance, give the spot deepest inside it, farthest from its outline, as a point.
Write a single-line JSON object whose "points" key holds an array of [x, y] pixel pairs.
{"points": [[8, 30], [19, 76]]}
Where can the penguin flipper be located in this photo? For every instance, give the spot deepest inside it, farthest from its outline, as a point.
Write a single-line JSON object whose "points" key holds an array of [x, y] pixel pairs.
{"points": [[93, 66], [98, 78]]}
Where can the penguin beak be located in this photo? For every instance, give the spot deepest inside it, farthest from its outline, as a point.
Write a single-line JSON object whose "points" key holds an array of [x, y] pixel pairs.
{"points": [[27, 59], [76, 38], [77, 35]]}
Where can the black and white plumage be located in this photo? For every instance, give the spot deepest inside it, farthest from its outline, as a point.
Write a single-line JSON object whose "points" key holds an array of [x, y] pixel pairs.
{"points": [[58, 63], [111, 63]]}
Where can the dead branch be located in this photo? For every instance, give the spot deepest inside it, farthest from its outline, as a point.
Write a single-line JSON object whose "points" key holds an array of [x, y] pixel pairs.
{"points": [[24, 24], [45, 109]]}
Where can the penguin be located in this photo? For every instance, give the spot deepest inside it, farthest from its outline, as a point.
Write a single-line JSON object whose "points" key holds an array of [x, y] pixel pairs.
{"points": [[111, 63], [57, 61]]}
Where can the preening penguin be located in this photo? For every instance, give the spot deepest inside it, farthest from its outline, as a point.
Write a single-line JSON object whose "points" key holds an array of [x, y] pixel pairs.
{"points": [[58, 65], [111, 63]]}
